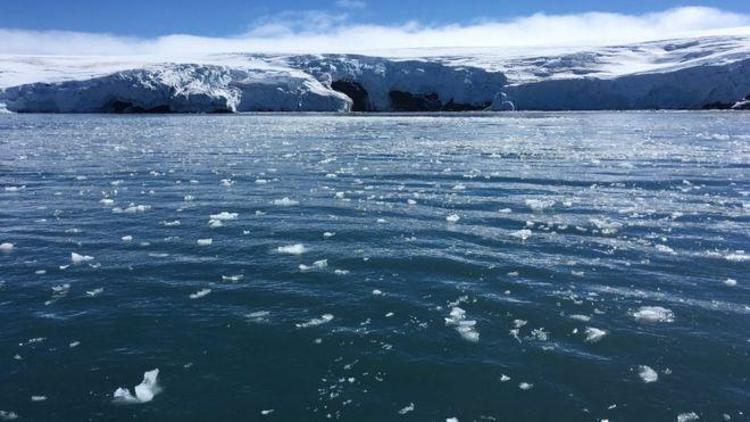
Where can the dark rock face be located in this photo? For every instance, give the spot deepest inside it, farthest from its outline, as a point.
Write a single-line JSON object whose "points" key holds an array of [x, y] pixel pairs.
{"points": [[122, 107], [717, 106], [355, 91], [406, 101]]}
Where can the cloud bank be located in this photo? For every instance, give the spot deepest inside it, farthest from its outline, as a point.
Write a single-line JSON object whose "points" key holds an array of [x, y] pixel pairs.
{"points": [[320, 31]]}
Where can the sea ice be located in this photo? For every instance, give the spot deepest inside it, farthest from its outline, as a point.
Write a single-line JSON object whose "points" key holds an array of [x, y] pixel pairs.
{"points": [[525, 386], [8, 415], [224, 216], [296, 249], [406, 409], [653, 314], [523, 234], [466, 328], [200, 293], [144, 392], [688, 417], [285, 202], [453, 218], [204, 242], [730, 282], [78, 259], [95, 292], [593, 335], [325, 318], [6, 247], [647, 374]]}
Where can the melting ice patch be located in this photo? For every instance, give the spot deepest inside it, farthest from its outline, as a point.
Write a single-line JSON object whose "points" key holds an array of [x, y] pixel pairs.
{"points": [[144, 392], [653, 314], [325, 318], [466, 328], [647, 374], [296, 249]]}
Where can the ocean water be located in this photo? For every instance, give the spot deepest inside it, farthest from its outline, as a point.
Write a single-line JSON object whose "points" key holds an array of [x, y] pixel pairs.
{"points": [[513, 267]]}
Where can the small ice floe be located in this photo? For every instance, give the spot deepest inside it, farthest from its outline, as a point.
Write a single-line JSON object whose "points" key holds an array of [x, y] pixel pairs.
{"points": [[653, 314], [14, 188], [144, 392], [107, 201], [38, 398], [325, 318], [453, 218], [233, 278], [127, 238], [266, 412], [261, 181], [188, 198], [173, 223], [6, 247], [584, 318], [688, 417], [406, 409], [224, 216], [74, 344], [466, 328], [504, 378], [737, 256], [647, 374], [296, 249], [227, 182], [539, 334], [95, 292], [339, 271], [132, 209], [525, 386], [317, 265], [451, 419], [730, 282], [377, 292], [258, 316], [606, 226], [505, 210], [79, 259], [411, 201], [200, 293], [665, 249], [328, 235], [594, 335], [539, 204], [204, 242], [215, 224], [523, 234], [8, 415], [285, 202]]}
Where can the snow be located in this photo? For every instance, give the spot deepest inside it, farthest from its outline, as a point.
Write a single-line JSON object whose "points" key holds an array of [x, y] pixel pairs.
{"points": [[691, 72], [144, 392]]}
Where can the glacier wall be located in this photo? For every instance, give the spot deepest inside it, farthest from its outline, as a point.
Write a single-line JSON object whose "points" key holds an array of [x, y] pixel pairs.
{"points": [[699, 87]]}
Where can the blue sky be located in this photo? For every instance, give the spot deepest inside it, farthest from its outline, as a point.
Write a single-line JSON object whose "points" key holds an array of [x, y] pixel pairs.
{"points": [[152, 18]]}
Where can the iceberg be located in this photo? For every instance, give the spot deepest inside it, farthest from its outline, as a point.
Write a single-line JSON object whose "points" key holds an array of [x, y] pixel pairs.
{"points": [[144, 392]]}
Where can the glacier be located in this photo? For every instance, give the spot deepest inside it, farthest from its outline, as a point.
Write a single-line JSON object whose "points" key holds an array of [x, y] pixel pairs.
{"points": [[707, 72]]}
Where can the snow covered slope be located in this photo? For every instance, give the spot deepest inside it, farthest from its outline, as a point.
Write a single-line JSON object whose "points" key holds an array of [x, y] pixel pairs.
{"points": [[691, 73]]}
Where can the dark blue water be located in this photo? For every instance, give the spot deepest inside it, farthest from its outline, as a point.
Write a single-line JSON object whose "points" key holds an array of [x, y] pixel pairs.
{"points": [[566, 267]]}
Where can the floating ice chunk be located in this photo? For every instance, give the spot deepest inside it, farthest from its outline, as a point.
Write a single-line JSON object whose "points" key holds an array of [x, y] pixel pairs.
{"points": [[266, 412], [647, 374], [6, 247], [215, 223], [411, 201], [339, 271], [451, 420], [127, 238], [539, 204], [74, 344], [377, 292], [174, 223], [107, 201], [204, 242], [285, 202], [78, 259], [200, 293], [466, 328], [95, 292], [504, 378], [233, 278], [224, 216], [328, 235], [539, 334], [593, 335], [144, 392], [730, 282], [296, 249], [453, 218], [317, 265], [8, 415], [132, 209], [14, 188], [406, 409], [584, 318], [523, 234], [606, 227], [665, 249], [688, 417], [504, 210], [653, 314], [525, 386], [38, 398], [325, 318], [738, 256]]}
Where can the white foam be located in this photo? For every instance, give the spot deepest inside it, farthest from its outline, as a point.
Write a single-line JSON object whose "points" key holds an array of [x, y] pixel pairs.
{"points": [[466, 328], [144, 392], [325, 318], [78, 259], [653, 314], [224, 216], [296, 249], [6, 247], [647, 374], [204, 242], [453, 218], [594, 335], [285, 202], [200, 293]]}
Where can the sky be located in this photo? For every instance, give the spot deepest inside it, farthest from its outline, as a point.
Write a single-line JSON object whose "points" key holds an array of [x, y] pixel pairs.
{"points": [[183, 26]]}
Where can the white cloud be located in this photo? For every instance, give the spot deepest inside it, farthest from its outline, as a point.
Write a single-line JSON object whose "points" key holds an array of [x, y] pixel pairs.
{"points": [[318, 31], [351, 4]]}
